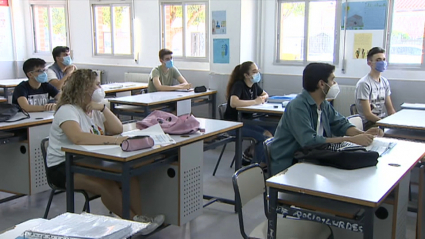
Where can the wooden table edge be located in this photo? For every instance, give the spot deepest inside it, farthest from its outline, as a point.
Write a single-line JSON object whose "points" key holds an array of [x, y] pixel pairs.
{"points": [[163, 101], [123, 89], [396, 126], [259, 110], [16, 126]]}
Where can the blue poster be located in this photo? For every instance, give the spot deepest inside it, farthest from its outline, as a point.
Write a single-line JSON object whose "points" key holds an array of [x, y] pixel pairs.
{"points": [[221, 51], [218, 22], [365, 15]]}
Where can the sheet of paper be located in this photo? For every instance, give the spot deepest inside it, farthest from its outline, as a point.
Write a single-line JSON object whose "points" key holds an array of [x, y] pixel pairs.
{"points": [[184, 107], [100, 147], [155, 132], [380, 146]]}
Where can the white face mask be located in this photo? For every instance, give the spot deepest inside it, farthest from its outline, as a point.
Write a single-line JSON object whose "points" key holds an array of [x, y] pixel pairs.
{"points": [[98, 95], [333, 91]]}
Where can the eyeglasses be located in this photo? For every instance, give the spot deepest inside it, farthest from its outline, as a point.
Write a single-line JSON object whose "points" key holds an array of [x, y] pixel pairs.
{"points": [[40, 71]]}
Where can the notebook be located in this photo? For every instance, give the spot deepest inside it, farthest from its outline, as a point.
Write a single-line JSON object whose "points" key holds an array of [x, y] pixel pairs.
{"points": [[378, 145]]}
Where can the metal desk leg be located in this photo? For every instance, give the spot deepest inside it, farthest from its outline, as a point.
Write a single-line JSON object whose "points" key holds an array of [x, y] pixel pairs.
{"points": [[238, 149], [420, 228], [125, 191], [6, 94], [368, 223], [69, 183], [113, 108], [213, 105], [272, 217]]}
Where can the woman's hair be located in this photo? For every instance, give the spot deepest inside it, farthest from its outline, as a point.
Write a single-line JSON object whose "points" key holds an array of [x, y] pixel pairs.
{"points": [[238, 75], [77, 88]]}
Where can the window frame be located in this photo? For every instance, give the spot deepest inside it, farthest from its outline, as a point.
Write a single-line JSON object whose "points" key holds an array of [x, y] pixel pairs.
{"points": [[162, 3], [387, 44], [48, 4], [111, 4], [304, 62]]}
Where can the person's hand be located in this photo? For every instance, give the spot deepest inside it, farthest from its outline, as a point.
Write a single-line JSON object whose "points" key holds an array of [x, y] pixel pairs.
{"points": [[185, 86], [375, 131], [362, 139], [49, 107], [259, 100], [69, 69], [120, 139], [264, 97], [94, 106]]}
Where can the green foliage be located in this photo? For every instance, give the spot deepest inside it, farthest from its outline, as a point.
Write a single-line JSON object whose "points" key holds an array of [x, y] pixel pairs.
{"points": [[58, 21], [118, 12], [296, 9], [195, 14]]}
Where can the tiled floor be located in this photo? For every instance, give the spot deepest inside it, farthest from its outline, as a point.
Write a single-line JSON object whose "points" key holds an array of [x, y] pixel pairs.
{"points": [[217, 221]]}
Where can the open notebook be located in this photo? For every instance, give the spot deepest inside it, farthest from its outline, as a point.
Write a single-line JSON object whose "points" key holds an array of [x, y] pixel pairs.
{"points": [[378, 145]]}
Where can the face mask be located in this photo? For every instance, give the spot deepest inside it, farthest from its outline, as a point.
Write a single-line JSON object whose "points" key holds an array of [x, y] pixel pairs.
{"points": [[42, 77], [169, 64], [256, 78], [333, 91], [67, 61], [98, 95], [381, 66]]}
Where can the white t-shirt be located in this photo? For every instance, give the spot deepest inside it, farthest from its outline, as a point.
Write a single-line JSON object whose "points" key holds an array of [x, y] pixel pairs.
{"points": [[57, 137], [376, 92], [51, 75]]}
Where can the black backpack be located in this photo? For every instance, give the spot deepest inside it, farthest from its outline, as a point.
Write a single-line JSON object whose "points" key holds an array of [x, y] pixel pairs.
{"points": [[325, 154], [7, 111]]}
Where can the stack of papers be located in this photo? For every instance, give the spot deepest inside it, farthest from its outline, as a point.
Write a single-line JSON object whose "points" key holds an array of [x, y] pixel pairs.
{"points": [[155, 132], [378, 145]]}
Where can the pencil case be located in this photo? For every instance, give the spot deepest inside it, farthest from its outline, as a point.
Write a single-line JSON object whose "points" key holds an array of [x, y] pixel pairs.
{"points": [[137, 143]]}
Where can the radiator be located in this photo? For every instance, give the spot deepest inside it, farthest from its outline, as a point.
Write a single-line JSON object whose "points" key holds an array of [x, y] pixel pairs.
{"points": [[346, 97], [136, 77]]}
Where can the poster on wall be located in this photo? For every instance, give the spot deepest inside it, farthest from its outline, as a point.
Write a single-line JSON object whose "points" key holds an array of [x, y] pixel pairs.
{"points": [[362, 44], [221, 51], [218, 22], [365, 15], [4, 3], [6, 44]]}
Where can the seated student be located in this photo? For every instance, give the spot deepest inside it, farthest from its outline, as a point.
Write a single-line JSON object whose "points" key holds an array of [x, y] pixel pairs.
{"points": [[243, 90], [59, 72], [80, 119], [161, 78], [373, 90], [33, 95], [309, 119]]}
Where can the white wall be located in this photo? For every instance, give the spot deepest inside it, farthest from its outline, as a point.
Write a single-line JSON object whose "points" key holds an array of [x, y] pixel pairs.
{"points": [[248, 27]]}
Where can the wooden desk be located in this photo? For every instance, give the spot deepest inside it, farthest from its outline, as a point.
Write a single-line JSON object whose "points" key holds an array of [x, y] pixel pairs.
{"points": [[2, 100], [114, 88], [21, 162], [185, 173], [162, 98], [404, 119], [413, 106], [274, 111], [10, 83], [364, 189]]}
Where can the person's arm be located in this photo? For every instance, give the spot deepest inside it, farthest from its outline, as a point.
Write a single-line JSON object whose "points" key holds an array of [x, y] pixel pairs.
{"points": [[74, 133], [112, 124], [160, 87], [236, 102], [389, 105], [182, 80], [59, 83], [367, 112], [263, 94], [23, 103]]}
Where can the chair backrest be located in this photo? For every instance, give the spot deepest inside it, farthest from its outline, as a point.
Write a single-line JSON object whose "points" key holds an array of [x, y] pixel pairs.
{"points": [[353, 109], [356, 120], [248, 183], [44, 145], [266, 145], [221, 110]]}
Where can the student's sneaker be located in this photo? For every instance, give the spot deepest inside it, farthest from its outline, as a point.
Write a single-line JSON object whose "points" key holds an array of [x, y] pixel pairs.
{"points": [[150, 227], [247, 154], [158, 219], [245, 161]]}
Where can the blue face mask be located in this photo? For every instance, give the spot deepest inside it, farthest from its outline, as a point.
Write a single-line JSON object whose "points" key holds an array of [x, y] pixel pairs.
{"points": [[256, 78], [42, 78], [169, 64], [67, 61], [381, 66]]}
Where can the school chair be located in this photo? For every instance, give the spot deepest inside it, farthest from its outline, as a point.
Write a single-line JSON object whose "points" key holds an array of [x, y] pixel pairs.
{"points": [[56, 190], [221, 110], [248, 183], [266, 145], [353, 109], [356, 120]]}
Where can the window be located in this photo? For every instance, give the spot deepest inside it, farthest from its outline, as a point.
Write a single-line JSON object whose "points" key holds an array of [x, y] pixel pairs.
{"points": [[112, 29], [307, 31], [406, 35], [49, 26], [184, 29]]}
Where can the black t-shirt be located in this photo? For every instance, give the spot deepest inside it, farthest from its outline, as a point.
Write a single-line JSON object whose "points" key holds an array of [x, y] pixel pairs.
{"points": [[241, 90], [38, 96]]}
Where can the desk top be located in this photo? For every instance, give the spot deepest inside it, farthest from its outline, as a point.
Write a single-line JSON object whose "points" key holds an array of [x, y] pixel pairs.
{"points": [[11, 82], [212, 127], [36, 118], [366, 186], [407, 119], [125, 86], [159, 97], [413, 106], [2, 99], [263, 108]]}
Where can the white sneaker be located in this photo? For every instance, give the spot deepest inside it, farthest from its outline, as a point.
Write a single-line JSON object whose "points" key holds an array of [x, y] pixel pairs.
{"points": [[159, 219], [150, 227]]}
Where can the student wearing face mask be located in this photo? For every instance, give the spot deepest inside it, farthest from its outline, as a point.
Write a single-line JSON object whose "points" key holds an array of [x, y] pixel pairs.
{"points": [[373, 93], [162, 77], [34, 94], [81, 118], [59, 72], [309, 119], [243, 90]]}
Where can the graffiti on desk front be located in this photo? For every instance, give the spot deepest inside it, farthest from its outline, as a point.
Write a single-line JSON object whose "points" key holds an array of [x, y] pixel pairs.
{"points": [[336, 223]]}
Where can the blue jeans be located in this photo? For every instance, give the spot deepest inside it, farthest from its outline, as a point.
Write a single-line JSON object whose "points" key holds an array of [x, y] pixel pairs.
{"points": [[256, 132]]}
